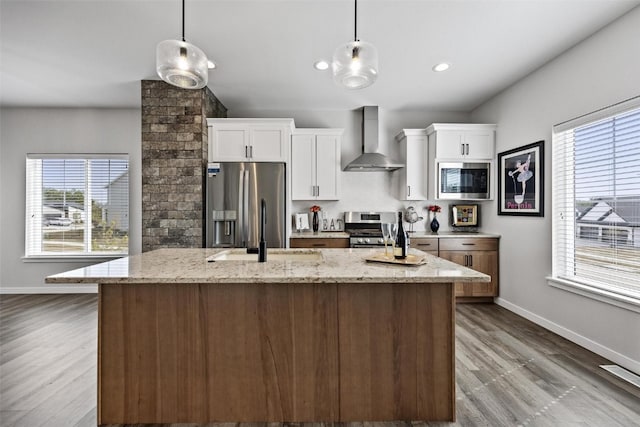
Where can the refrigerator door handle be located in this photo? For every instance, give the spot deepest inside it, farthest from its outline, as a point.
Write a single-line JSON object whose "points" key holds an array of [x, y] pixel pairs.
{"points": [[245, 209], [240, 230]]}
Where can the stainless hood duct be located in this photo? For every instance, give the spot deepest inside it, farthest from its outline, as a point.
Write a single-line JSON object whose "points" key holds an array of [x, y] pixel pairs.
{"points": [[371, 160]]}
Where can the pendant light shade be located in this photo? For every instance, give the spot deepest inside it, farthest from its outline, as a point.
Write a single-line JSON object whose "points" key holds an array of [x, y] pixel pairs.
{"points": [[355, 64], [182, 64]]}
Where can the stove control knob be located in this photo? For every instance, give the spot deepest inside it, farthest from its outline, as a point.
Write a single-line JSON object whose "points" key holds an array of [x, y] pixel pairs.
{"points": [[381, 241], [360, 240], [366, 240]]}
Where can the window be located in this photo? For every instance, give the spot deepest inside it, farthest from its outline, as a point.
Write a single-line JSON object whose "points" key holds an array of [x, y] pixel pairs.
{"points": [[77, 205], [596, 202]]}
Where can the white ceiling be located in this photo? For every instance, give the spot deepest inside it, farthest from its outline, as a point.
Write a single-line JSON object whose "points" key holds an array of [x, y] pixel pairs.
{"points": [[58, 53]]}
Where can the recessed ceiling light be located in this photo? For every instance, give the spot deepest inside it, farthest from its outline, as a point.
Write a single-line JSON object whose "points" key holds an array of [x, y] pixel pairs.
{"points": [[321, 65], [443, 66], [211, 64]]}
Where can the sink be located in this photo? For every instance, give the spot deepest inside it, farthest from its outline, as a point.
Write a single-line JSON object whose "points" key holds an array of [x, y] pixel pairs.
{"points": [[294, 255]]}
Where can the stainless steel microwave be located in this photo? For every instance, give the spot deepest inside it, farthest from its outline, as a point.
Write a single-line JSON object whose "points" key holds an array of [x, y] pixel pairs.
{"points": [[464, 180]]}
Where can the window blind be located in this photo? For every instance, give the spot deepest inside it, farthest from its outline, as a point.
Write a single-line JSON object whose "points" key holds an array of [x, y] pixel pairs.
{"points": [[77, 205], [596, 200]]}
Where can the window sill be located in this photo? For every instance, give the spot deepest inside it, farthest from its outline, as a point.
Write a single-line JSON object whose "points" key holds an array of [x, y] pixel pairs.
{"points": [[71, 258], [627, 302]]}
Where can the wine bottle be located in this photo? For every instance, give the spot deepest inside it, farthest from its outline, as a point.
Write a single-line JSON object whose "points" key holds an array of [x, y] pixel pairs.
{"points": [[402, 243]]}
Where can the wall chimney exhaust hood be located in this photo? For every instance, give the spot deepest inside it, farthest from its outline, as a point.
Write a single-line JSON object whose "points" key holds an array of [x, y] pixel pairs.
{"points": [[371, 160]]}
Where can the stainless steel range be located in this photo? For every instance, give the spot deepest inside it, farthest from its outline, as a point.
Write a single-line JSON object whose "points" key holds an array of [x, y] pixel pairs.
{"points": [[364, 228]]}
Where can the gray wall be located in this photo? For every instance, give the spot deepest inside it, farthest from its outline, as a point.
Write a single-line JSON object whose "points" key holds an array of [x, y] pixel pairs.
{"points": [[57, 130], [602, 70]]}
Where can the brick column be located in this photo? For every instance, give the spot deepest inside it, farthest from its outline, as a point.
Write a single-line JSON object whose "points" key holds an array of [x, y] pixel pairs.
{"points": [[174, 157]]}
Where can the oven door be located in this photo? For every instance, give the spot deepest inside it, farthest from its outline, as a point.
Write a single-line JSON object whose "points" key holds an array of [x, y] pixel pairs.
{"points": [[464, 181], [365, 245]]}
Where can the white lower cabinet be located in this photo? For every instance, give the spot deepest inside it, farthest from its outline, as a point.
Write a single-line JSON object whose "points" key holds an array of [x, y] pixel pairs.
{"points": [[315, 164]]}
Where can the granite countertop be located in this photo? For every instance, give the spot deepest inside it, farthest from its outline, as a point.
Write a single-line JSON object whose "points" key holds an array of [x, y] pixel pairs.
{"points": [[453, 234], [345, 235], [335, 266], [320, 235]]}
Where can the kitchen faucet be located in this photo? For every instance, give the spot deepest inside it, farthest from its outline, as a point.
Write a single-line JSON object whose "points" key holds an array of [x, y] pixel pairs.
{"points": [[262, 247]]}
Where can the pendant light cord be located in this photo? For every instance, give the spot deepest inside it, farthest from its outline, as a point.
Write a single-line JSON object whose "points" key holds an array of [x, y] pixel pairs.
{"points": [[355, 21], [183, 20]]}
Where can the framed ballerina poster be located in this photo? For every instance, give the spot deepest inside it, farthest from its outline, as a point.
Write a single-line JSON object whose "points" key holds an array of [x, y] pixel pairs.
{"points": [[521, 181]]}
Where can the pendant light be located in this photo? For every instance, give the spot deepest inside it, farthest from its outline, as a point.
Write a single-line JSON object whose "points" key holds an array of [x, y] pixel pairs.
{"points": [[182, 64], [355, 64]]}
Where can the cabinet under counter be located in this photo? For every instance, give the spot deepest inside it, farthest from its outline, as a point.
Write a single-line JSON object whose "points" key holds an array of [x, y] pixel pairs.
{"points": [[185, 340], [478, 251]]}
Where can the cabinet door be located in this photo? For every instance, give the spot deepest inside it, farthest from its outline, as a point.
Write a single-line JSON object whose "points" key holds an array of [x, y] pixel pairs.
{"points": [[482, 261], [485, 262], [449, 144], [268, 144], [228, 145], [415, 169], [327, 167], [465, 144], [479, 144], [303, 169]]}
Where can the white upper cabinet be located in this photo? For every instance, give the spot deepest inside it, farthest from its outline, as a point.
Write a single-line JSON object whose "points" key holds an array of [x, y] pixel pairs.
{"points": [[303, 167], [459, 141], [315, 164], [412, 179], [249, 140]]}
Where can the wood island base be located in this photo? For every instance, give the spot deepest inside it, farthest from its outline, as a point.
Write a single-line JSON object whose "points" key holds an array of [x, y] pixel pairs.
{"points": [[219, 352]]}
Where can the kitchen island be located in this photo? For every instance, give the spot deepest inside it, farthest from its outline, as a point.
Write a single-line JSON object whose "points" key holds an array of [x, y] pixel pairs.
{"points": [[310, 335]]}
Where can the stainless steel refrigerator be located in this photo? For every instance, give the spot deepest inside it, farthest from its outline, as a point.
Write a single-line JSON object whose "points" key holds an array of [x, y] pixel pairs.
{"points": [[233, 205]]}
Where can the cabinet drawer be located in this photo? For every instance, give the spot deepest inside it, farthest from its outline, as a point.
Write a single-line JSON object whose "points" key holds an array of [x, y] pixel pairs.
{"points": [[469, 244], [425, 243], [319, 243]]}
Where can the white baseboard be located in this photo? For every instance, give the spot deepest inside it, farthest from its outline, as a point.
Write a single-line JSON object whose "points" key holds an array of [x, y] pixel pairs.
{"points": [[599, 349], [61, 289]]}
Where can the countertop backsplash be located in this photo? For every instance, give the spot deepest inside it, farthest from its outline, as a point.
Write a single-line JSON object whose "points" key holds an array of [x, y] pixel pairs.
{"points": [[386, 203]]}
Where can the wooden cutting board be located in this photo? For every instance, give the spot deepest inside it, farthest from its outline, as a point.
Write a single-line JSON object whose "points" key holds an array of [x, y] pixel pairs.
{"points": [[409, 260]]}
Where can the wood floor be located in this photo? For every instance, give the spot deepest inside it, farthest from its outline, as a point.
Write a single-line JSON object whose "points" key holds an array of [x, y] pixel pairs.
{"points": [[509, 371]]}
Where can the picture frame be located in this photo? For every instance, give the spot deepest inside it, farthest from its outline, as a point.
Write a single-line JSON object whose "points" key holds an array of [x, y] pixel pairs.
{"points": [[301, 221], [521, 181], [464, 215]]}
